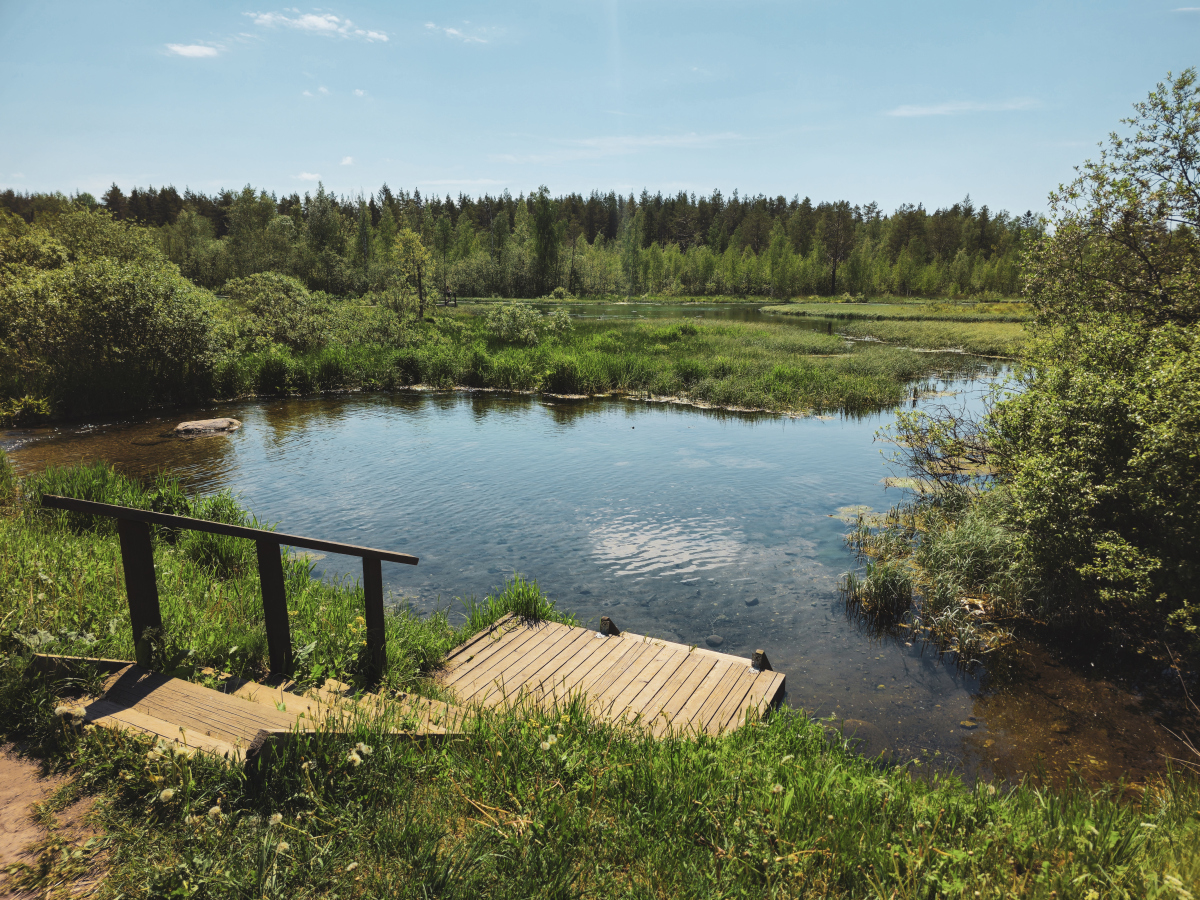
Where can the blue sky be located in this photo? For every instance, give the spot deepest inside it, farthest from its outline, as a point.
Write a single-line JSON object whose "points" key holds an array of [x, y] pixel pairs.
{"points": [[892, 102]]}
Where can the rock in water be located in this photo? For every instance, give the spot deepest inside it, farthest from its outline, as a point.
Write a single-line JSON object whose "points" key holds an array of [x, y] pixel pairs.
{"points": [[751, 601], [208, 426], [714, 640]]}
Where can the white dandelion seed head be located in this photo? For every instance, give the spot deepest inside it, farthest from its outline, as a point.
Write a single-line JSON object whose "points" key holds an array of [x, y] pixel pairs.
{"points": [[777, 789], [307, 765], [215, 812], [353, 758], [166, 795], [350, 867], [275, 819], [283, 846], [553, 739], [545, 745], [363, 749]]}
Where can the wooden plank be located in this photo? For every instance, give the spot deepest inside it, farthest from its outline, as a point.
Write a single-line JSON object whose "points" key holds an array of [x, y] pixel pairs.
{"points": [[734, 706], [665, 658], [513, 678], [556, 687], [106, 714], [274, 601], [717, 681], [126, 514], [764, 684], [735, 680], [376, 628], [653, 707], [689, 648], [607, 651], [531, 645], [604, 700], [667, 710], [508, 643], [141, 586], [620, 653], [505, 621], [194, 707], [527, 639]]}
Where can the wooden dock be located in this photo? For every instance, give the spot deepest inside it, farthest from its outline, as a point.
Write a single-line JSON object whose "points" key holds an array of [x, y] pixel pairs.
{"points": [[666, 686], [243, 718]]}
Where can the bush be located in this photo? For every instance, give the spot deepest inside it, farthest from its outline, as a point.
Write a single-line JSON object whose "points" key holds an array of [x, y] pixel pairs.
{"points": [[520, 323], [271, 308]]}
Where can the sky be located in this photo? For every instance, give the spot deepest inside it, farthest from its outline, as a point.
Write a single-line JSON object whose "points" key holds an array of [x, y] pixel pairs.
{"points": [[920, 102]]}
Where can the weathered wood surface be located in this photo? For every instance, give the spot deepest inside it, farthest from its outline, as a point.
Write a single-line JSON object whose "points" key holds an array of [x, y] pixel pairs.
{"points": [[239, 719], [662, 685]]}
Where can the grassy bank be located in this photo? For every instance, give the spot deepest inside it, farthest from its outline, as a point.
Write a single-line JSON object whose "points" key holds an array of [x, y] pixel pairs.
{"points": [[529, 804], [771, 367]]}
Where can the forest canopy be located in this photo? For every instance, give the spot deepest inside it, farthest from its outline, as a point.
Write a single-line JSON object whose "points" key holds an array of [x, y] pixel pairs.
{"points": [[602, 244]]}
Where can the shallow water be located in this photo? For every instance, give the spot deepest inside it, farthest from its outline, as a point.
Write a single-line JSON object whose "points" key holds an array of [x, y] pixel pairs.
{"points": [[702, 527]]}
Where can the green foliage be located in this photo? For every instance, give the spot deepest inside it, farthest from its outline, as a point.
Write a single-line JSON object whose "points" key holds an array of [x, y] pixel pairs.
{"points": [[1099, 449], [93, 317], [275, 309], [520, 323]]}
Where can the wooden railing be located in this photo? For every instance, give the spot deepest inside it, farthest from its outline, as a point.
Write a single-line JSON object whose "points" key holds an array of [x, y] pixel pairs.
{"points": [[141, 586]]}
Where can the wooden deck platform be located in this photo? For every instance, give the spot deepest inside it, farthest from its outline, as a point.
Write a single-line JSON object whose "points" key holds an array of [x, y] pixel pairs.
{"points": [[666, 686], [238, 722]]}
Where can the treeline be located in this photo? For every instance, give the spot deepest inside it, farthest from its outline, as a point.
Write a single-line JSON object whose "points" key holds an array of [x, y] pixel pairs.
{"points": [[604, 244]]}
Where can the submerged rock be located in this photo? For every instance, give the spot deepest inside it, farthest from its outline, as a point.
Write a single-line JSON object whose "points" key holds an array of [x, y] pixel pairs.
{"points": [[751, 601], [208, 426], [714, 640]]}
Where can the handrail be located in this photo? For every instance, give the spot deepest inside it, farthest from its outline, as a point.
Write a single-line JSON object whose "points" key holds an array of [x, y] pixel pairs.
{"points": [[141, 586], [54, 501]]}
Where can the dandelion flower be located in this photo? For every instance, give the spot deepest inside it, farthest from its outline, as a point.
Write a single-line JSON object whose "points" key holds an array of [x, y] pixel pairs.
{"points": [[215, 812], [350, 867], [283, 846], [353, 758], [777, 789], [360, 620], [787, 759], [275, 819], [363, 749], [499, 754], [166, 795], [545, 745]]}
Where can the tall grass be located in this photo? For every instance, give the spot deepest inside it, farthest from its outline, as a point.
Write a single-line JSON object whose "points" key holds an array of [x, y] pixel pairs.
{"points": [[982, 338], [769, 367]]}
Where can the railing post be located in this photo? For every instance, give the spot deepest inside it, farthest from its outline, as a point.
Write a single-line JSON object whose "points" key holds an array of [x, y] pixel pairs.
{"points": [[275, 612], [376, 630], [137, 559]]}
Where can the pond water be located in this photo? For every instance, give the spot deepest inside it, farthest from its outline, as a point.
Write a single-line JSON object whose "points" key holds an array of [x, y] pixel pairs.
{"points": [[702, 527]]}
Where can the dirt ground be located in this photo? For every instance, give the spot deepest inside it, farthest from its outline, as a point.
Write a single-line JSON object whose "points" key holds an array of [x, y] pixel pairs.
{"points": [[21, 837]]}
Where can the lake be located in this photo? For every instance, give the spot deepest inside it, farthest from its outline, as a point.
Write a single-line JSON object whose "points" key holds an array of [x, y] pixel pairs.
{"points": [[698, 526]]}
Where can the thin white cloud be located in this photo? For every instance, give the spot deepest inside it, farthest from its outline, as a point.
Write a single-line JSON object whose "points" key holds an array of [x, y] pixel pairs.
{"points": [[316, 23], [306, 94], [621, 145], [309, 176], [456, 33], [359, 92], [1186, 9], [956, 108], [193, 51], [323, 90], [347, 160]]}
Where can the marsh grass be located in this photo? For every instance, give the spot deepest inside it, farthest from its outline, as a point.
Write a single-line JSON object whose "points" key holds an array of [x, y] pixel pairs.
{"points": [[1003, 339], [914, 310], [750, 366], [941, 566]]}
